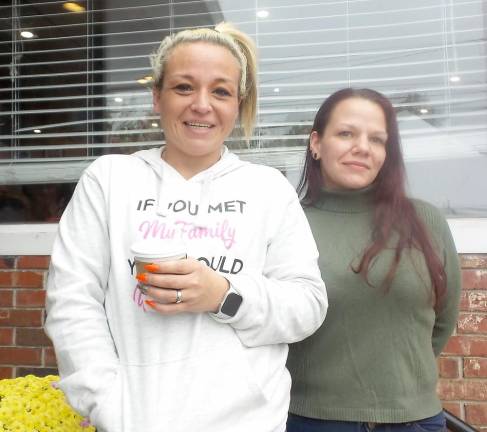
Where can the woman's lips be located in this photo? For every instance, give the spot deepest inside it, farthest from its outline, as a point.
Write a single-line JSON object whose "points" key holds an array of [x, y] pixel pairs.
{"points": [[357, 164], [198, 128], [198, 125]]}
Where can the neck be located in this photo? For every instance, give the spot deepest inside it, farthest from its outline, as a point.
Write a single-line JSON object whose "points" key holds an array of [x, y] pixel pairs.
{"points": [[347, 201], [189, 165]]}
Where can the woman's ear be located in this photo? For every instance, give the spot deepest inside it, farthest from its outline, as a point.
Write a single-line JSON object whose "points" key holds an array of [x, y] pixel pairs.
{"points": [[156, 91], [314, 145]]}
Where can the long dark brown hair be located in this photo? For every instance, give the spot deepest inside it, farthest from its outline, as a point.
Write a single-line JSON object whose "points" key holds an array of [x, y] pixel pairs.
{"points": [[394, 212]]}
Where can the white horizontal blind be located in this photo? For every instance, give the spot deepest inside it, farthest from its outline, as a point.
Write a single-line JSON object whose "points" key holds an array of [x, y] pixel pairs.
{"points": [[76, 89]]}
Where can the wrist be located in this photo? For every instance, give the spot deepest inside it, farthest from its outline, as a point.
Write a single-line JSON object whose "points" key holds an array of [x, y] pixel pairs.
{"points": [[222, 289], [230, 304]]}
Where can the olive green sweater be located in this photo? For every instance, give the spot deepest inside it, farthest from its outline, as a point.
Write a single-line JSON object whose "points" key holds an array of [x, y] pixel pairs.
{"points": [[373, 359]]}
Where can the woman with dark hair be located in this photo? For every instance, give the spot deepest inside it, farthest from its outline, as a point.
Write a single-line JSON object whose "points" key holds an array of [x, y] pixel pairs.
{"points": [[392, 276]]}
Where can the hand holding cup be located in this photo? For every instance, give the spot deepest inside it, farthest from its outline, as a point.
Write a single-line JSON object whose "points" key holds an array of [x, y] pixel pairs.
{"points": [[176, 284]]}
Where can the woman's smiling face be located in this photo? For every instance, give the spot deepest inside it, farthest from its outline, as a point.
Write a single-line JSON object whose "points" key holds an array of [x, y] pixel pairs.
{"points": [[352, 149], [198, 103]]}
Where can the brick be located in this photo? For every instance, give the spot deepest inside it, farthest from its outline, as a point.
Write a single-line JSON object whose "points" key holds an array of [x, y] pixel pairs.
{"points": [[20, 356], [475, 367], [6, 298], [466, 345], [449, 367], [474, 279], [49, 357], [6, 279], [20, 318], [30, 298], [472, 323], [7, 262], [473, 261], [6, 372], [29, 279], [40, 372], [473, 301], [23, 279], [31, 337], [6, 336], [454, 408], [33, 262], [472, 390], [476, 414]]}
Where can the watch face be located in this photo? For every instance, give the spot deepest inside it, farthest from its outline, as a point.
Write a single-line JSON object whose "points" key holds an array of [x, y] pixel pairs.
{"points": [[231, 304]]}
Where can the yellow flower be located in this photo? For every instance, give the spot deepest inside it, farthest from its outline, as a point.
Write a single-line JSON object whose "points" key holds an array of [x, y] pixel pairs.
{"points": [[34, 404]]}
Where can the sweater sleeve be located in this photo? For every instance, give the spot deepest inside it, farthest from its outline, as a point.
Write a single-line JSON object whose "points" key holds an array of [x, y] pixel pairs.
{"points": [[76, 320], [446, 318], [287, 301]]}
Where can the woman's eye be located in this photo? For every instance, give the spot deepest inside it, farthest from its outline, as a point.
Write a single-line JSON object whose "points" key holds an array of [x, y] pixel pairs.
{"points": [[184, 88], [378, 140], [222, 92], [345, 133]]}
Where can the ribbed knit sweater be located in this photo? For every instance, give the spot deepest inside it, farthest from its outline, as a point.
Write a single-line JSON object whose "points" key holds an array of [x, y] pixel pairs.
{"points": [[373, 359]]}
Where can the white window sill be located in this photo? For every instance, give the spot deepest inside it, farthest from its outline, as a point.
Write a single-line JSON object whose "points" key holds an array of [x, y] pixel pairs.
{"points": [[27, 239], [470, 236]]}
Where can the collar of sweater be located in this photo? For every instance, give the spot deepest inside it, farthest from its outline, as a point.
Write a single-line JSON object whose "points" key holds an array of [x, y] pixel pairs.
{"points": [[350, 201]]}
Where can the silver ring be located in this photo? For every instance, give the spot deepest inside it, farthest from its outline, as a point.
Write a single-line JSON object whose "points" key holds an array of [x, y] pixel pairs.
{"points": [[179, 296]]}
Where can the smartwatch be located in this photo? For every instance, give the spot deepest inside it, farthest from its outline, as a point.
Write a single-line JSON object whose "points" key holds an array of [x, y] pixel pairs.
{"points": [[230, 304]]}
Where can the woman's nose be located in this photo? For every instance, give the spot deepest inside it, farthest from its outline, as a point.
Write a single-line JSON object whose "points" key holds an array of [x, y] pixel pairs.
{"points": [[362, 143], [201, 102]]}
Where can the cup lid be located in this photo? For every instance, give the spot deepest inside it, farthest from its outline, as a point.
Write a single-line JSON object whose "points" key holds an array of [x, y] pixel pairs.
{"points": [[157, 248]]}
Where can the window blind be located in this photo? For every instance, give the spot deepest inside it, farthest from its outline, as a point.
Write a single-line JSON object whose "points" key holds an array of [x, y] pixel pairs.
{"points": [[80, 85]]}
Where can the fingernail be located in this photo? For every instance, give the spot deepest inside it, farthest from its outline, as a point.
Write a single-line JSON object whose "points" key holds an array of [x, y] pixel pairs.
{"points": [[141, 277], [151, 267], [151, 303]]}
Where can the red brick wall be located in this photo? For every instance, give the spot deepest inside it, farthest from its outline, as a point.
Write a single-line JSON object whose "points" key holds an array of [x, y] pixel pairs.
{"points": [[463, 364], [25, 349]]}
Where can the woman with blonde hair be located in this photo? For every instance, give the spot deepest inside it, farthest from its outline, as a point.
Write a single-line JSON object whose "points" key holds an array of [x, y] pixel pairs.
{"points": [[199, 343]]}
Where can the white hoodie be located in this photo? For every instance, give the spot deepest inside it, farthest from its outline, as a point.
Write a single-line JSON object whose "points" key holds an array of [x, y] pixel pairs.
{"points": [[131, 369]]}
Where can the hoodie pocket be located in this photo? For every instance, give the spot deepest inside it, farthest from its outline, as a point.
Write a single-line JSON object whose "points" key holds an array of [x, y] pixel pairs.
{"points": [[107, 416], [206, 392]]}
